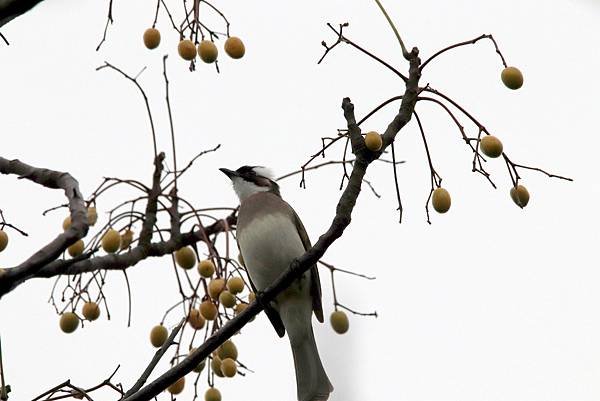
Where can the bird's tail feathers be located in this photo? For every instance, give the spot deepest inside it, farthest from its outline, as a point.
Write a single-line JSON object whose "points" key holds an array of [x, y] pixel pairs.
{"points": [[311, 379]]}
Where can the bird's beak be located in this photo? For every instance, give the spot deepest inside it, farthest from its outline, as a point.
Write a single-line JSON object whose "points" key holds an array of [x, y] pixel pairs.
{"points": [[229, 173]]}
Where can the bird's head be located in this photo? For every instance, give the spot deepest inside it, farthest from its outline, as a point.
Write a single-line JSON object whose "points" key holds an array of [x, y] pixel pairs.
{"points": [[248, 180]]}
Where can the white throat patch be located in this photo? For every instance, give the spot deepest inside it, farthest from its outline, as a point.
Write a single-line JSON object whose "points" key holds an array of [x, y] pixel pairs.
{"points": [[244, 189]]}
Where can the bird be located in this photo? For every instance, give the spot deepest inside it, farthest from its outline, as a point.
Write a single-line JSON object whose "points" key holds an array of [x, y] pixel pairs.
{"points": [[270, 235]]}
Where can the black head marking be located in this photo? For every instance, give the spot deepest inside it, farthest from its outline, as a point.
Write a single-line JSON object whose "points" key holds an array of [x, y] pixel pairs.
{"points": [[249, 174]]}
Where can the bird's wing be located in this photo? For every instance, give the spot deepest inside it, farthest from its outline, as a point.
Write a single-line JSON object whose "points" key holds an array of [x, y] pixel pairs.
{"points": [[315, 282], [271, 313]]}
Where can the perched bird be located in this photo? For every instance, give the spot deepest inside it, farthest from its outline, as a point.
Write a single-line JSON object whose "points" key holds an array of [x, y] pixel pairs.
{"points": [[270, 235]]}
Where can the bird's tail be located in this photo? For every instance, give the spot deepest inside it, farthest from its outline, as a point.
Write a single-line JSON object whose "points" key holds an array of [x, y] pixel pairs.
{"points": [[311, 379]]}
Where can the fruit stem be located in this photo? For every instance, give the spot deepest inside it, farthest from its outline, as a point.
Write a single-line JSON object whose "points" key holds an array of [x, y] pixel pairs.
{"points": [[404, 51]]}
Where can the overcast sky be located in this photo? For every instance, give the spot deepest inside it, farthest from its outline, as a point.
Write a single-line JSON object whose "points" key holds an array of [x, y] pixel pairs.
{"points": [[489, 302]]}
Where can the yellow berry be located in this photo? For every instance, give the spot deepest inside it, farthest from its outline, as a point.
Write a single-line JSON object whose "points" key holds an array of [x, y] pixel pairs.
{"points": [[185, 257], [3, 240], [491, 146], [158, 335], [520, 195], [91, 311], [227, 299], [111, 241], [151, 38], [177, 387], [239, 308], [228, 367], [227, 350], [251, 297], [373, 141], [68, 322], [234, 47], [215, 287], [126, 239], [512, 77], [215, 364], [92, 215], [241, 259], [207, 51], [195, 319], [67, 223], [212, 394], [208, 310], [187, 50], [339, 322], [76, 249], [235, 285], [441, 200], [206, 268]]}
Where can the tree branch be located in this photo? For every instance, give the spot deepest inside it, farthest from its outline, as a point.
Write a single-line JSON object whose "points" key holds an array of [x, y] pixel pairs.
{"points": [[79, 227], [157, 357], [10, 9]]}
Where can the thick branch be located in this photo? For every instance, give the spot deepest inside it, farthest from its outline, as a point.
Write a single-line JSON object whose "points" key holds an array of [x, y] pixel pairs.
{"points": [[137, 254], [151, 206], [79, 226], [10, 9]]}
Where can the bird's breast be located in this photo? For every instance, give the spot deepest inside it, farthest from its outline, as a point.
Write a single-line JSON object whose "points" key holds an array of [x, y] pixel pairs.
{"points": [[268, 244]]}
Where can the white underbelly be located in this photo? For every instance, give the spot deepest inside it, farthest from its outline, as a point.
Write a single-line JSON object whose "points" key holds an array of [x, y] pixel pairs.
{"points": [[268, 246]]}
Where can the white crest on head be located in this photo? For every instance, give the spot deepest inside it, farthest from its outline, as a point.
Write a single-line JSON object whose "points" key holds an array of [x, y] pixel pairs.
{"points": [[264, 172], [244, 188]]}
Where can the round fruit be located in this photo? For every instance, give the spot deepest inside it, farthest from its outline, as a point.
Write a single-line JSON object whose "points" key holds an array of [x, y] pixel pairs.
{"points": [[239, 308], [227, 299], [187, 50], [235, 285], [151, 38], [69, 322], [251, 297], [67, 223], [512, 77], [185, 257], [3, 240], [208, 310], [111, 241], [491, 146], [241, 259], [228, 367], [520, 195], [339, 322], [126, 239], [177, 387], [215, 287], [91, 311], [227, 350], [441, 200], [215, 364], [158, 335], [92, 215], [76, 249], [206, 268], [373, 141], [208, 51], [195, 319], [212, 394], [234, 47]]}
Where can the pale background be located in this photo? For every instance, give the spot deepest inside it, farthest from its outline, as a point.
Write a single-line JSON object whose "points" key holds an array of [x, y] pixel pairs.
{"points": [[488, 303]]}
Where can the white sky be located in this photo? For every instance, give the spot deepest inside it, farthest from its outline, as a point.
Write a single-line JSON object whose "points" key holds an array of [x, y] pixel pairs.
{"points": [[490, 302]]}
